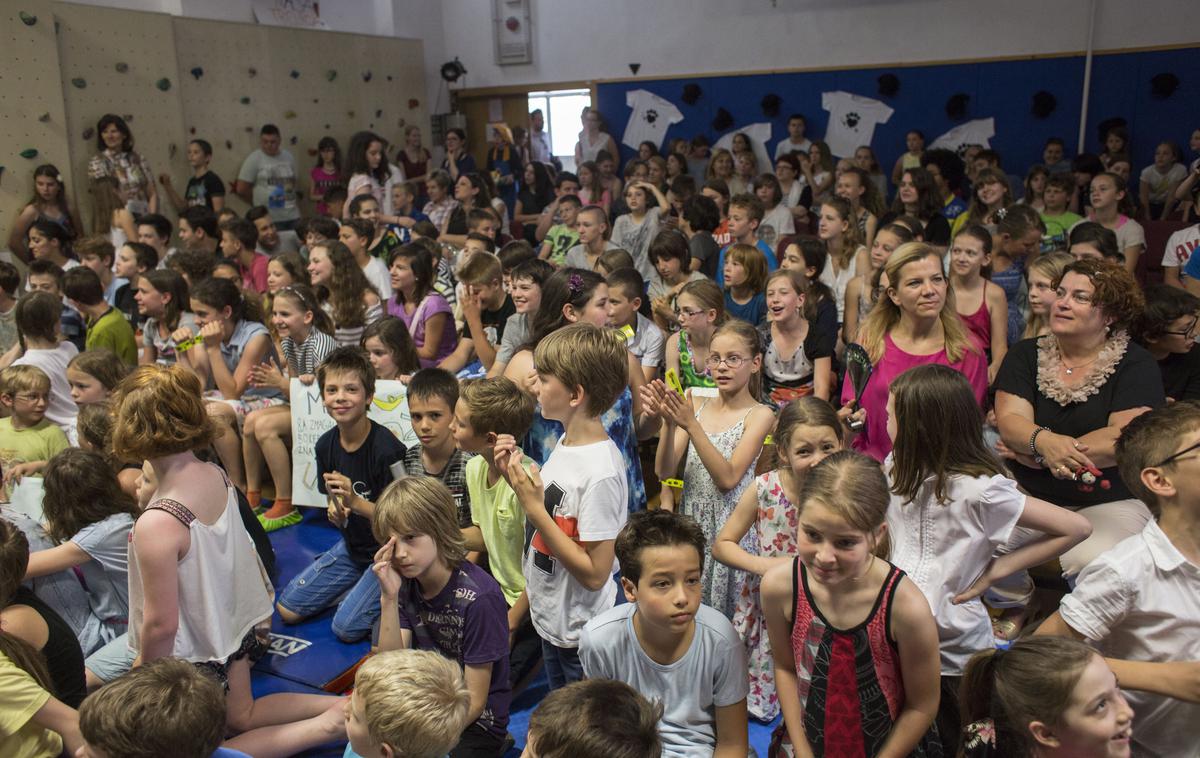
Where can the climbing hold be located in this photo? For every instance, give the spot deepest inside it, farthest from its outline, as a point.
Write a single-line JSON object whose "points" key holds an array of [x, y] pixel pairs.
{"points": [[89, 132], [249, 129], [367, 76], [122, 68], [197, 72], [128, 117], [350, 113], [379, 113], [163, 84], [79, 82], [172, 149], [312, 151], [289, 114], [294, 74], [413, 103], [244, 100], [252, 71], [192, 130], [371, 125], [316, 100], [330, 75], [27, 18], [29, 153], [327, 126], [293, 140], [389, 77], [228, 144], [44, 117]]}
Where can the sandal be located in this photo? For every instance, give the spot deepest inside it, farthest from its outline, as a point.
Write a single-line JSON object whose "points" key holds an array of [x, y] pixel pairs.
{"points": [[274, 524], [1008, 625]]}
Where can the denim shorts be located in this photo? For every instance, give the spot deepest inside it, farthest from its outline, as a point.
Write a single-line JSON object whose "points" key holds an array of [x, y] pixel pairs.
{"points": [[112, 659], [335, 578]]}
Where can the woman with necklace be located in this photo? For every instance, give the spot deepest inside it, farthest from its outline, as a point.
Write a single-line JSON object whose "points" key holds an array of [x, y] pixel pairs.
{"points": [[1062, 400]]}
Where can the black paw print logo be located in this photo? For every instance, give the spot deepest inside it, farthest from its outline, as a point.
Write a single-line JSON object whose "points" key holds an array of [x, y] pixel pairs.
{"points": [[651, 116], [851, 119]]}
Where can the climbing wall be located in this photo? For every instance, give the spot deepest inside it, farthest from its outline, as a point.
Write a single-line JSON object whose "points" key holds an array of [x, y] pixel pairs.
{"points": [[236, 77], [31, 108], [122, 62]]}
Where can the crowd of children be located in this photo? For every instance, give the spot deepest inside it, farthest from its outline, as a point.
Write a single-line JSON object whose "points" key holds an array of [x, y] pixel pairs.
{"points": [[744, 445]]}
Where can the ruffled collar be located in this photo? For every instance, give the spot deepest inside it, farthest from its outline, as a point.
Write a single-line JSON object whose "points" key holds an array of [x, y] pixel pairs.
{"points": [[1050, 360]]}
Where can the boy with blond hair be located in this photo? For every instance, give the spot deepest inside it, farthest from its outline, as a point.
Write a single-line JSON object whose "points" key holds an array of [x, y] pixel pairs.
{"points": [[487, 408], [28, 440], [1139, 603], [579, 501], [410, 703], [432, 598], [485, 311]]}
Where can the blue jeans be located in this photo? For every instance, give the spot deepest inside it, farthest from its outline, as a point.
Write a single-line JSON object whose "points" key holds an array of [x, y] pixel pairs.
{"points": [[334, 577], [562, 664]]}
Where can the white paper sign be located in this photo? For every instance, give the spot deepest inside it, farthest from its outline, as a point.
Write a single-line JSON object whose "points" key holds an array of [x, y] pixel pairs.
{"points": [[310, 420]]}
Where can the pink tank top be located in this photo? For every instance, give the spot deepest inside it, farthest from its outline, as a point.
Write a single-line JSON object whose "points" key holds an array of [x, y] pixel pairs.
{"points": [[979, 324]]}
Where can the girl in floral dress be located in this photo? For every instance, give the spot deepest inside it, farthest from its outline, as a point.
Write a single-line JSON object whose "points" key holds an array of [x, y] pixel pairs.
{"points": [[807, 432]]}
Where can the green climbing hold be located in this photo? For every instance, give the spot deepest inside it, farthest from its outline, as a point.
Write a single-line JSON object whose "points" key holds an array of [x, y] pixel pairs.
{"points": [[244, 100], [330, 75], [122, 68], [289, 114], [79, 82], [163, 84], [27, 18], [44, 117], [29, 153]]}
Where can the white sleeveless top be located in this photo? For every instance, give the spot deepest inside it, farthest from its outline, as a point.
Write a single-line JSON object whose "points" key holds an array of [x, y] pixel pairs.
{"points": [[224, 591]]}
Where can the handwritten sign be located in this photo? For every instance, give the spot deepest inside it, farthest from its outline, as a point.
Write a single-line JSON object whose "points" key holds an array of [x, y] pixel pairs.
{"points": [[310, 420]]}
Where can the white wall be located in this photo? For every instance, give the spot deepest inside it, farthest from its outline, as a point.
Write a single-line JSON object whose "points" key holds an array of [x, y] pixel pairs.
{"points": [[588, 40]]}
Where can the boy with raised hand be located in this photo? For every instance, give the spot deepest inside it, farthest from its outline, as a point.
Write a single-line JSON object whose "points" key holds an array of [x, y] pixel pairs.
{"points": [[578, 502], [595, 718], [432, 395], [562, 236], [356, 460], [486, 409], [1140, 601], [745, 214], [668, 646], [410, 703]]}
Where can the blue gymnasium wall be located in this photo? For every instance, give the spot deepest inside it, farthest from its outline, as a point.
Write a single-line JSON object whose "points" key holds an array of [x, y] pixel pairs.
{"points": [[1004, 90]]}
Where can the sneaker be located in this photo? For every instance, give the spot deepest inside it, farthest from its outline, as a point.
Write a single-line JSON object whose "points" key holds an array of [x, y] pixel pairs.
{"points": [[274, 524]]}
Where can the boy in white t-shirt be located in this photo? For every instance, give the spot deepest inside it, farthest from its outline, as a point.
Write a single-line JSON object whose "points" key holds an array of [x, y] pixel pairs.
{"points": [[668, 646], [578, 504], [1139, 603]]}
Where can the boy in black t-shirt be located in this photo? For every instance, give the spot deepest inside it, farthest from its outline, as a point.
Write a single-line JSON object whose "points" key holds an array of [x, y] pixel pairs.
{"points": [[203, 187], [356, 460], [485, 308]]}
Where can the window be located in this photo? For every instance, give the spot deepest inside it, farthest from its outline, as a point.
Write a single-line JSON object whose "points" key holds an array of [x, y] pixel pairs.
{"points": [[562, 109]]}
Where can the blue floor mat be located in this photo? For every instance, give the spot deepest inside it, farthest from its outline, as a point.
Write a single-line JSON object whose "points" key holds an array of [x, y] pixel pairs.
{"points": [[307, 656], [306, 653]]}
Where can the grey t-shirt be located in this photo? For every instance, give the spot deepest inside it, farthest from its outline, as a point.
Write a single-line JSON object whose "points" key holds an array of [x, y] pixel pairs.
{"points": [[635, 238], [107, 573], [289, 242], [711, 674], [273, 178], [516, 331], [577, 256]]}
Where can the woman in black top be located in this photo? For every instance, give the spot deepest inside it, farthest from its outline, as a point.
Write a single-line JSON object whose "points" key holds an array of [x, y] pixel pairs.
{"points": [[917, 196]]}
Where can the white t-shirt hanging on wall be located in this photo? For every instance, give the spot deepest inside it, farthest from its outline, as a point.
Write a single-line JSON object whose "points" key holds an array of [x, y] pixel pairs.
{"points": [[760, 135], [651, 117], [976, 132], [852, 121]]}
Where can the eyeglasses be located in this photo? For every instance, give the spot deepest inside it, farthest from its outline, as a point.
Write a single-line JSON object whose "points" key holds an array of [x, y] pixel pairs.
{"points": [[1177, 456], [1191, 328], [734, 361], [31, 397], [689, 312]]}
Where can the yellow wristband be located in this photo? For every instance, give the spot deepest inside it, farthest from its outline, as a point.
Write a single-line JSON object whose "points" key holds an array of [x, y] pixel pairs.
{"points": [[673, 483], [188, 343]]}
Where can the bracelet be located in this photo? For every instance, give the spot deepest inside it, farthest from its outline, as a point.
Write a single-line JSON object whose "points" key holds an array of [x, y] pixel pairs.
{"points": [[1033, 443]]}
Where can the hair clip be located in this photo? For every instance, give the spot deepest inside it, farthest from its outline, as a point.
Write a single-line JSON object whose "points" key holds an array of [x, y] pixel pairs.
{"points": [[1001, 214], [575, 284]]}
